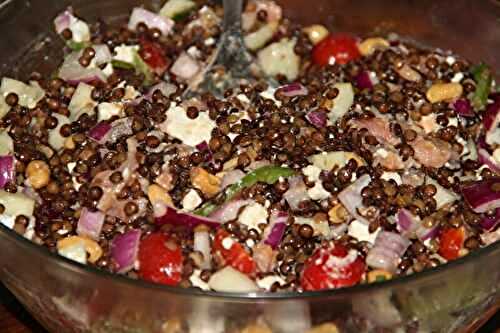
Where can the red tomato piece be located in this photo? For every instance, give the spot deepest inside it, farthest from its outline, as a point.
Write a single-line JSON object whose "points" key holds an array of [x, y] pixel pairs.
{"points": [[451, 241], [154, 56], [160, 259], [233, 254], [332, 266], [339, 49]]}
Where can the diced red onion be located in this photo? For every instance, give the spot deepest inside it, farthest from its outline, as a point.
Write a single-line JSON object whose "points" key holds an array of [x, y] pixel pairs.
{"points": [[423, 233], [351, 197], [201, 243], [74, 73], [185, 67], [124, 250], [229, 210], [90, 224], [7, 170], [406, 221], [387, 251], [176, 217], [119, 128], [490, 116], [296, 193], [488, 160], [232, 177], [152, 20], [63, 20], [490, 222], [100, 131], [203, 146], [317, 118], [484, 195], [363, 80], [463, 107], [408, 225], [293, 89], [276, 229]]}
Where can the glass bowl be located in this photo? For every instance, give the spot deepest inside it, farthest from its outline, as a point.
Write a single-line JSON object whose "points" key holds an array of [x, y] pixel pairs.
{"points": [[68, 297]]}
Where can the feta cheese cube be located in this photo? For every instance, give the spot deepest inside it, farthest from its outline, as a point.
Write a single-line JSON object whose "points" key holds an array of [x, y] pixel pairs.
{"points": [[252, 215], [191, 200]]}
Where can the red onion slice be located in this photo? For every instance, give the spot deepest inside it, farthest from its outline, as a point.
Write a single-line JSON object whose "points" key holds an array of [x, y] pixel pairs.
{"points": [[489, 223], [363, 80], [351, 197], [293, 89], [463, 107], [484, 195], [124, 250], [276, 229], [90, 224], [406, 221], [387, 251], [7, 170], [176, 217], [99, 132], [152, 20], [229, 210], [488, 160], [317, 118]]}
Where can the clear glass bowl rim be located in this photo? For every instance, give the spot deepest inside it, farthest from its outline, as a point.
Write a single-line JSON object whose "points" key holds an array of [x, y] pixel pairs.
{"points": [[78, 268]]}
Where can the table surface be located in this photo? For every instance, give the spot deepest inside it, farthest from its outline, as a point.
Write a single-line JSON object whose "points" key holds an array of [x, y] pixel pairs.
{"points": [[15, 319]]}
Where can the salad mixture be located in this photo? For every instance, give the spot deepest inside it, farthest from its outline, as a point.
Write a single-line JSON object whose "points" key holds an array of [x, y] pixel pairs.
{"points": [[373, 159]]}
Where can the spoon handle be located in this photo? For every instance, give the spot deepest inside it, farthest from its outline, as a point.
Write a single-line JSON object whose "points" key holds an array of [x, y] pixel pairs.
{"points": [[232, 16]]}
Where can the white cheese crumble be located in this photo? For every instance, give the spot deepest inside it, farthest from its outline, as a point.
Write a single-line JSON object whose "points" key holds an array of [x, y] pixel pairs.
{"points": [[457, 77], [75, 252], [191, 200], [107, 110], [318, 192], [359, 230], [496, 155], [79, 30], [453, 122], [126, 53], [450, 60], [266, 282], [243, 98], [252, 215], [7, 220], [312, 172], [382, 152], [108, 70], [429, 124], [392, 175], [196, 281], [189, 131], [227, 243]]}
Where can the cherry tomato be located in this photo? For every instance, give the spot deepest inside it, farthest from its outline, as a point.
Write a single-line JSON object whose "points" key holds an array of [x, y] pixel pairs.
{"points": [[339, 49], [154, 56], [160, 259], [232, 253], [332, 266], [451, 241]]}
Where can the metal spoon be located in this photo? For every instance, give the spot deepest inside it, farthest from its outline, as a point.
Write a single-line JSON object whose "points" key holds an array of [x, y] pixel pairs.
{"points": [[231, 64]]}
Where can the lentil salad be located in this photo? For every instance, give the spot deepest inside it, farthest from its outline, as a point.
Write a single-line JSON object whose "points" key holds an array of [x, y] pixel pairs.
{"points": [[355, 172]]}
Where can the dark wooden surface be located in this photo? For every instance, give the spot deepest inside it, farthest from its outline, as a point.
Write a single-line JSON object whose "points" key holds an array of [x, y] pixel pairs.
{"points": [[14, 319]]}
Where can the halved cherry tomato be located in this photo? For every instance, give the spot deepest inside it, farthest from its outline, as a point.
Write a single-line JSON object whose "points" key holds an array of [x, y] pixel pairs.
{"points": [[451, 241], [154, 56], [232, 253], [332, 266], [160, 259], [339, 49]]}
